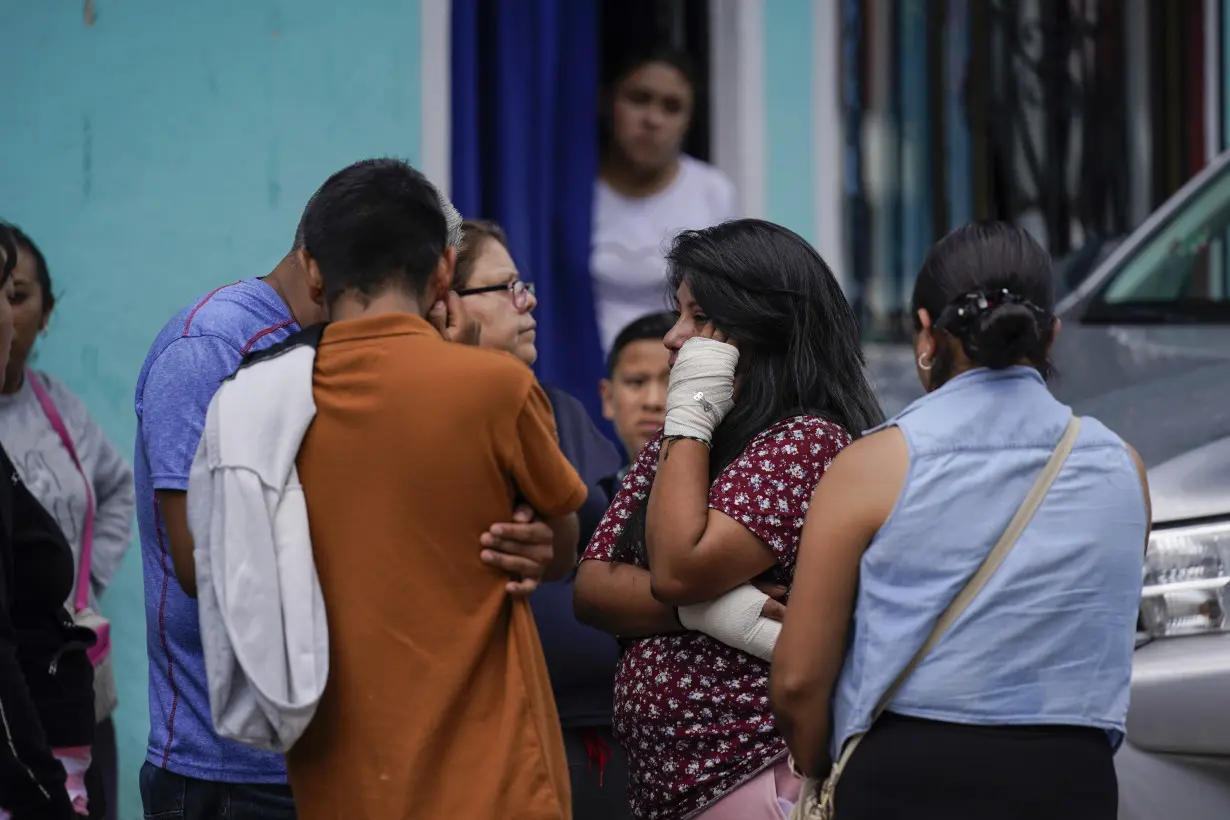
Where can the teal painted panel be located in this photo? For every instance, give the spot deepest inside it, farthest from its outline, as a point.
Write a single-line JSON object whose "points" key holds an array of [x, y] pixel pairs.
{"points": [[1224, 42], [165, 150], [789, 105]]}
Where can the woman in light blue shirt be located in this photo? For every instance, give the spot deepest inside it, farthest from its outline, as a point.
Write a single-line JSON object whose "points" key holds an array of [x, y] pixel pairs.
{"points": [[1016, 712]]}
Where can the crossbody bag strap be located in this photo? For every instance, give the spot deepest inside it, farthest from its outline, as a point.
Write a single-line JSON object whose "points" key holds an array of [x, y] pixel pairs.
{"points": [[979, 580], [82, 600]]}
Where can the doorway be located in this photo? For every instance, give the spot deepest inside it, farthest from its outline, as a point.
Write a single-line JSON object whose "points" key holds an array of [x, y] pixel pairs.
{"points": [[631, 27]]}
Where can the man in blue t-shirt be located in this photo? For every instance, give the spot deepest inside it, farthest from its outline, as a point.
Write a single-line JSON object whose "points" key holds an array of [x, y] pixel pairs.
{"points": [[190, 772]]}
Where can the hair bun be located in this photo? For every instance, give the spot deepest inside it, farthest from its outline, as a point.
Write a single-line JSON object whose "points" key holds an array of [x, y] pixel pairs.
{"points": [[1003, 336]]}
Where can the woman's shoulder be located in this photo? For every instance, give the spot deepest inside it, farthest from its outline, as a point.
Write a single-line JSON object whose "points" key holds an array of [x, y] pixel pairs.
{"points": [[1095, 432], [70, 407], [800, 444], [564, 402], [711, 184], [701, 172], [811, 430]]}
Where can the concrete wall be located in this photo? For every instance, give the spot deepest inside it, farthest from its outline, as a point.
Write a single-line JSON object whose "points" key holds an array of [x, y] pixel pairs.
{"points": [[776, 113], [168, 148]]}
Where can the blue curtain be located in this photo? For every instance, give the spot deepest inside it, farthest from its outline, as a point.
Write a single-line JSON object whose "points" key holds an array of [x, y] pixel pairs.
{"points": [[525, 153]]}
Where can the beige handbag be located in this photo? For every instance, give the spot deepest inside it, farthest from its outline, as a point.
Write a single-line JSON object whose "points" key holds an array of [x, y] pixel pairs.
{"points": [[816, 798]]}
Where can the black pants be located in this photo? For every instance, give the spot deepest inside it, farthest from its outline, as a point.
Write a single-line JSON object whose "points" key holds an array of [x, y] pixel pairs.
{"points": [[102, 779], [910, 769], [598, 769], [169, 796]]}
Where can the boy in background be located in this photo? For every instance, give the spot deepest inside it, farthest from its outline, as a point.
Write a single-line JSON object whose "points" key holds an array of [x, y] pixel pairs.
{"points": [[634, 391]]}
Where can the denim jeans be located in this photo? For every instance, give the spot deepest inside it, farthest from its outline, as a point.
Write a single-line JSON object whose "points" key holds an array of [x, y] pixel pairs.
{"points": [[169, 796]]}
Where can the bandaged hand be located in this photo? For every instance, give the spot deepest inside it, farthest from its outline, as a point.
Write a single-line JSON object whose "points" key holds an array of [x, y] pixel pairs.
{"points": [[701, 388], [735, 619]]}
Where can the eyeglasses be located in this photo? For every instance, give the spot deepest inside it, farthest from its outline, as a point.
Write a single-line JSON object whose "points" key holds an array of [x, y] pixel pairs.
{"points": [[519, 291]]}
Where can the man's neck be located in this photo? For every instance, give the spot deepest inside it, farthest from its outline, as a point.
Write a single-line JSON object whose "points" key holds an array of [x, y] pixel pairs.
{"points": [[280, 280], [350, 306]]}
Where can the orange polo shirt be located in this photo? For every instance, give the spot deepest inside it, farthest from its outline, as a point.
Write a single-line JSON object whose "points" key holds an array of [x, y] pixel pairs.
{"points": [[438, 705]]}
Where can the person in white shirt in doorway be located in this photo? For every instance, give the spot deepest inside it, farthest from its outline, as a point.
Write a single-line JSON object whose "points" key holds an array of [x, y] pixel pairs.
{"points": [[648, 190]]}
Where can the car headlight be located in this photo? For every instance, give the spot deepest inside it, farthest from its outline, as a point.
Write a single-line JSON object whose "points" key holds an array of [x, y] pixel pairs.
{"points": [[1187, 581]]}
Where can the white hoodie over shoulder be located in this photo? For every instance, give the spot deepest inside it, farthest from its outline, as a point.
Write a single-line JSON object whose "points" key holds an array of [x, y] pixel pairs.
{"points": [[262, 615]]}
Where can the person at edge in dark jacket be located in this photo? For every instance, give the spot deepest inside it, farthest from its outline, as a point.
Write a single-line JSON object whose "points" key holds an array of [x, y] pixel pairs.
{"points": [[634, 390], [46, 680], [581, 660]]}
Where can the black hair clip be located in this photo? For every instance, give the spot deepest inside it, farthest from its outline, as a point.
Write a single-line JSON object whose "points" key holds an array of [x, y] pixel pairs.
{"points": [[962, 311]]}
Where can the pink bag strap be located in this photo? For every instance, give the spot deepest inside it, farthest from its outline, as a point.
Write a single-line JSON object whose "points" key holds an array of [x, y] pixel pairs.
{"points": [[87, 536]]}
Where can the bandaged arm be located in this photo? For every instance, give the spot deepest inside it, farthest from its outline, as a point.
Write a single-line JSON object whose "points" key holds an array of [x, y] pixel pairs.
{"points": [[735, 620]]}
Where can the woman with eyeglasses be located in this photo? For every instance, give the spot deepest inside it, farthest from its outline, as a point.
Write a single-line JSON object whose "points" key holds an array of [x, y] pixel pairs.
{"points": [[581, 660], [498, 300]]}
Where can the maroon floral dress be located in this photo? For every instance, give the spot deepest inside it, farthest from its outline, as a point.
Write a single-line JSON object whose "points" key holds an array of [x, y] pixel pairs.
{"points": [[693, 713]]}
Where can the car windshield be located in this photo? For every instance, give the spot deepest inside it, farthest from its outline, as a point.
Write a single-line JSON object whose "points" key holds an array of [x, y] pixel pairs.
{"points": [[1181, 273]]}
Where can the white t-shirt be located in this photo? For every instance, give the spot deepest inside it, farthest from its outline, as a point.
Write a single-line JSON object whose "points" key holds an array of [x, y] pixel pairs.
{"points": [[627, 256]]}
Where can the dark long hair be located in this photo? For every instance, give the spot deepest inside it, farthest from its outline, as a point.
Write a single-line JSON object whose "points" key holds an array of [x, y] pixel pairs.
{"points": [[41, 272], [618, 72], [799, 349], [8, 253], [989, 287]]}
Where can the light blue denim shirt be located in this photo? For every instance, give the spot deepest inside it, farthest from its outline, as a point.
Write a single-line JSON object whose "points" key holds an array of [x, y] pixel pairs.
{"points": [[1050, 638]]}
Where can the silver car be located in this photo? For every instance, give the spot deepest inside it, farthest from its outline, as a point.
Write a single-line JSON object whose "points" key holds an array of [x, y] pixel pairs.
{"points": [[1145, 347]]}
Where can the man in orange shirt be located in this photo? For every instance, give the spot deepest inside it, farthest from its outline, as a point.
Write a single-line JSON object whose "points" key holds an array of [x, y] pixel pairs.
{"points": [[438, 703]]}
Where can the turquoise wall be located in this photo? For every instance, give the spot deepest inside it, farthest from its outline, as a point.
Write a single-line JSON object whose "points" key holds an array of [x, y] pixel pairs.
{"points": [[169, 148], [790, 141], [1225, 76]]}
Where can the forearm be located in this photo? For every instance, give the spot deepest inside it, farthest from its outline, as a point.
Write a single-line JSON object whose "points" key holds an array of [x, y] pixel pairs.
{"points": [[735, 619], [801, 715], [173, 505], [565, 531], [617, 599], [678, 510], [696, 553]]}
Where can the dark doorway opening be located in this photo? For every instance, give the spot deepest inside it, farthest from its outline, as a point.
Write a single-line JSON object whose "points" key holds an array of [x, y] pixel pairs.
{"points": [[1176, 49], [1048, 109]]}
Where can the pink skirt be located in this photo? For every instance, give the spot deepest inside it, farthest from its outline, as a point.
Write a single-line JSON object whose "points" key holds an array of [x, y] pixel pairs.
{"points": [[768, 796]]}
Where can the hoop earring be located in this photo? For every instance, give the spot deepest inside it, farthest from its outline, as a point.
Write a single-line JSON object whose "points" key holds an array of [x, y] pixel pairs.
{"points": [[922, 366]]}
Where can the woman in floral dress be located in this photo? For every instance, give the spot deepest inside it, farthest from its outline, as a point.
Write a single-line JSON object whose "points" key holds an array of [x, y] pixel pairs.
{"points": [[767, 385]]}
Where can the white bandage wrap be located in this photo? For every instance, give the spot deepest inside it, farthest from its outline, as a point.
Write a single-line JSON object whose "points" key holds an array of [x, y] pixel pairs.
{"points": [[701, 389], [735, 620]]}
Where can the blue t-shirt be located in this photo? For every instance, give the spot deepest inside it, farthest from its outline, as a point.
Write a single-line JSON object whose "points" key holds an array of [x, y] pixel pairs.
{"points": [[198, 348]]}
